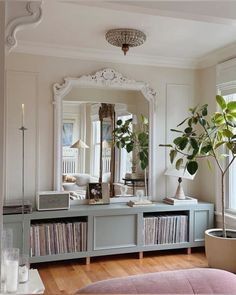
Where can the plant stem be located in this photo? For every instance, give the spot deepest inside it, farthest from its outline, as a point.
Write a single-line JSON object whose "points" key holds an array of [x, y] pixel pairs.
{"points": [[213, 151], [145, 181], [223, 203]]}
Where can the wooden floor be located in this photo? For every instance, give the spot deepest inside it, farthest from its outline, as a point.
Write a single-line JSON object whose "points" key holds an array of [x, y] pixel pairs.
{"points": [[67, 276]]}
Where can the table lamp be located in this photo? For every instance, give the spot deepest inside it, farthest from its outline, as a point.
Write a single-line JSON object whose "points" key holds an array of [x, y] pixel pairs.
{"points": [[80, 144], [181, 173]]}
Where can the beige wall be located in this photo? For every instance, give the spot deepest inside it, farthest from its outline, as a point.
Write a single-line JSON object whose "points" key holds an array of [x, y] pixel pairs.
{"points": [[30, 79], [207, 93]]}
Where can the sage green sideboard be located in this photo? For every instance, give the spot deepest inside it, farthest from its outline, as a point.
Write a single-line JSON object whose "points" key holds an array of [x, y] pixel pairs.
{"points": [[114, 228]]}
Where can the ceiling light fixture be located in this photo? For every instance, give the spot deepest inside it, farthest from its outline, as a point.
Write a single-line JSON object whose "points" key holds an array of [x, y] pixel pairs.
{"points": [[125, 38]]}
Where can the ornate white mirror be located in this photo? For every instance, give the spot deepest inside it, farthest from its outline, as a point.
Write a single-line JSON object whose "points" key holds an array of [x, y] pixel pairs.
{"points": [[82, 140]]}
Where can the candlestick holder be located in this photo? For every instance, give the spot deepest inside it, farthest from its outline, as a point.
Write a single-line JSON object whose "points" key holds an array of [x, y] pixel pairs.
{"points": [[23, 259]]}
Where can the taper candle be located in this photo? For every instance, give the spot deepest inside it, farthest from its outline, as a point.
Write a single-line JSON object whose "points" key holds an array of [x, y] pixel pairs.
{"points": [[23, 115]]}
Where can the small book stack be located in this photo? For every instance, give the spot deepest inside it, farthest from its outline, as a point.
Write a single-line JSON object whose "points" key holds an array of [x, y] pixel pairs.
{"points": [[139, 203], [16, 207], [175, 201]]}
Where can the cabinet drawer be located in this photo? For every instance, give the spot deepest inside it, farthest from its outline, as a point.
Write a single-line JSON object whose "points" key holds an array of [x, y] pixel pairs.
{"points": [[115, 231]]}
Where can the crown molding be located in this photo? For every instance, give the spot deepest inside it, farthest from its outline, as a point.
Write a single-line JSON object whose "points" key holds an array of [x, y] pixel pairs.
{"points": [[47, 49], [217, 56], [211, 59]]}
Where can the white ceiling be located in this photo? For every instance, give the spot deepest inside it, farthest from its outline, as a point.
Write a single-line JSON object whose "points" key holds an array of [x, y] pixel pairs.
{"points": [[186, 34]]}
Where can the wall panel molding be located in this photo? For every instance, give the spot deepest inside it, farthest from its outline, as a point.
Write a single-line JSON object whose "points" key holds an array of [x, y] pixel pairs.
{"points": [[25, 91]]}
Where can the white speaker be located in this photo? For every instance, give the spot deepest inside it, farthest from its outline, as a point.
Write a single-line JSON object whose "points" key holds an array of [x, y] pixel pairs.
{"points": [[52, 200]]}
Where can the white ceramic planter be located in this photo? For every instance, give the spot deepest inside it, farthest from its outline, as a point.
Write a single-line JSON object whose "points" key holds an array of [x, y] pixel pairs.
{"points": [[221, 252]]}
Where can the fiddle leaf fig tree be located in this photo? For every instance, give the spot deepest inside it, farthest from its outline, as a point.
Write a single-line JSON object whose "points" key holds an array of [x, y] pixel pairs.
{"points": [[209, 137], [133, 140]]}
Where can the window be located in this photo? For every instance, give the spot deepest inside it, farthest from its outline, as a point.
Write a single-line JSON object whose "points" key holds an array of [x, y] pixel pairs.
{"points": [[230, 181], [95, 148], [125, 158]]}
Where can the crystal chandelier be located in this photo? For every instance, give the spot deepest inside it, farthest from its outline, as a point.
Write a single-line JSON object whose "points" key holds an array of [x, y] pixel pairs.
{"points": [[125, 38]]}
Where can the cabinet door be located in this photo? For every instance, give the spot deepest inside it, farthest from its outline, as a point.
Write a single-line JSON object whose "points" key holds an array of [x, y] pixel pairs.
{"points": [[116, 231], [16, 228], [201, 222], [14, 222]]}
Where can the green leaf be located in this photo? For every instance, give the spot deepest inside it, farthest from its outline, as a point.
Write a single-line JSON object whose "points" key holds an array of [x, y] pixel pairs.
{"points": [[144, 164], [218, 118], [144, 119], [193, 110], [221, 102], [194, 143], [231, 124], [229, 145], [179, 163], [119, 122], [177, 140], [166, 145], [206, 149], [218, 144], [173, 154], [234, 148], [182, 122], [232, 113], [118, 144], [142, 156], [204, 110], [227, 133], [182, 145], [231, 105], [143, 137], [192, 167], [129, 147], [191, 157], [188, 130], [202, 121], [190, 122], [175, 130]]}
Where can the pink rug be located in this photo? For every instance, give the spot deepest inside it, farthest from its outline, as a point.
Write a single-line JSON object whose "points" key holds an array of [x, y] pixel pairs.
{"points": [[187, 281]]}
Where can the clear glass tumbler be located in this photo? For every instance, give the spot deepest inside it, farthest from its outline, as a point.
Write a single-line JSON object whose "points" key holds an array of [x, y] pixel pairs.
{"points": [[123, 190], [11, 269], [7, 242], [23, 268], [140, 195]]}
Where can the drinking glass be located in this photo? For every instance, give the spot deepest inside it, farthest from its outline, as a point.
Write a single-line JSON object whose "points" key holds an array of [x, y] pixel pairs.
{"points": [[123, 190], [23, 268], [11, 269], [140, 195], [7, 242]]}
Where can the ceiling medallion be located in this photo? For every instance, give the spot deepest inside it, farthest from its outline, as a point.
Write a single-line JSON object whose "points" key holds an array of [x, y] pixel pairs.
{"points": [[125, 38]]}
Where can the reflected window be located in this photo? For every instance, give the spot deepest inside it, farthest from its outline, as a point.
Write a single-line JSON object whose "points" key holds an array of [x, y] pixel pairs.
{"points": [[96, 148]]}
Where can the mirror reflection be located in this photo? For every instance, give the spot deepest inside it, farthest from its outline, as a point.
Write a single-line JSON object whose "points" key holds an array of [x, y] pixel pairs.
{"points": [[89, 150]]}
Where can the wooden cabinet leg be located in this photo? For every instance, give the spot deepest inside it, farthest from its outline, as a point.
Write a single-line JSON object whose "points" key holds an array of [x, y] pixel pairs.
{"points": [[189, 251], [87, 260], [141, 255]]}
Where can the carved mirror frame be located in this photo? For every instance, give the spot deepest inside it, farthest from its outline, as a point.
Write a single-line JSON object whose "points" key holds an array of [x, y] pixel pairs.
{"points": [[106, 78]]}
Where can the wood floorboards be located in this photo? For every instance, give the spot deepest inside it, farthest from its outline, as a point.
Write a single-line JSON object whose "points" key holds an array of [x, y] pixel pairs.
{"points": [[66, 277]]}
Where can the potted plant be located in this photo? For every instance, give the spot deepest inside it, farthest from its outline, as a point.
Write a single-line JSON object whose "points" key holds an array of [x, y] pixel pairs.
{"points": [[210, 138], [134, 140]]}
